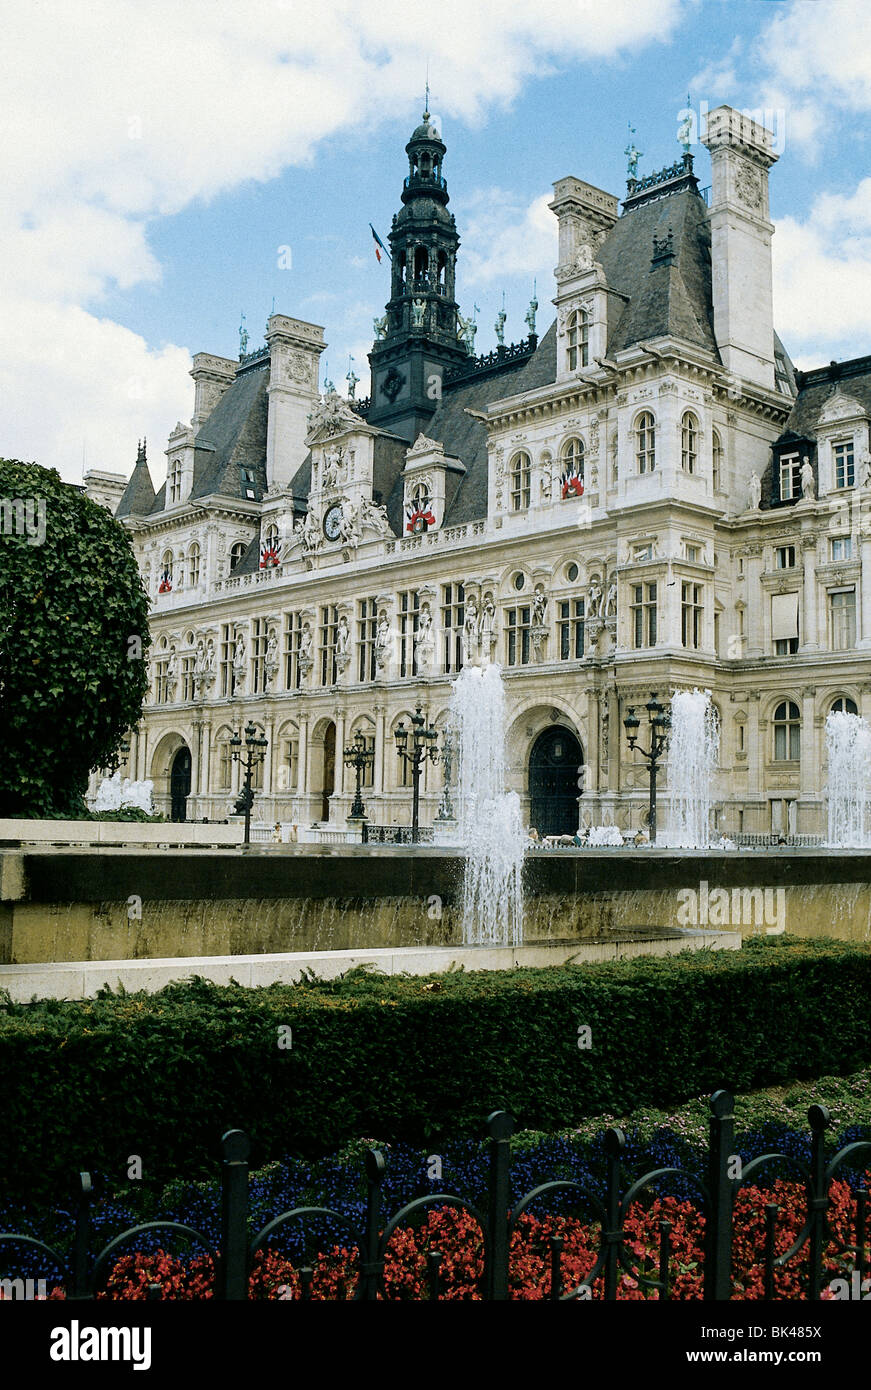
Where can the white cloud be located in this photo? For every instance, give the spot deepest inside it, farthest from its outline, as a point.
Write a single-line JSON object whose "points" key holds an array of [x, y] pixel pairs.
{"points": [[116, 113], [822, 277], [501, 238]]}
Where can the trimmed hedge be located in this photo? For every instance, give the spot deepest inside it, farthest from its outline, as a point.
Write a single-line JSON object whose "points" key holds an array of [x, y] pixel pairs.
{"points": [[87, 1084]]}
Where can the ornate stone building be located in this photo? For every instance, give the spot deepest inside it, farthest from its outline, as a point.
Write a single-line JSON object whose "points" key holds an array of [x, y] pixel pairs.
{"points": [[648, 497]]}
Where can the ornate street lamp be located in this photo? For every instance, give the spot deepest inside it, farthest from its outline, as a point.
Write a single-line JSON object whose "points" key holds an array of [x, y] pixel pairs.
{"points": [[446, 810], [359, 757], [118, 757], [255, 752], [424, 740], [659, 720]]}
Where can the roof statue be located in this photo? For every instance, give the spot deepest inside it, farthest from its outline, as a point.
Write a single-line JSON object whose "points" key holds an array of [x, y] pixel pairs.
{"points": [[632, 155], [243, 337], [685, 129], [531, 311], [500, 323]]}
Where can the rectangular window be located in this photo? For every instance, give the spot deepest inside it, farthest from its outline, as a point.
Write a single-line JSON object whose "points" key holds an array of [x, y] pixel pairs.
{"points": [[571, 629], [692, 611], [741, 728], [844, 469], [258, 655], [842, 548], [453, 617], [161, 682], [367, 631], [225, 765], [643, 608], [843, 611], [409, 617], [187, 677], [642, 553], [290, 765], [329, 621], [784, 623], [292, 635], [790, 477], [692, 553], [368, 777], [517, 630], [227, 648], [784, 557]]}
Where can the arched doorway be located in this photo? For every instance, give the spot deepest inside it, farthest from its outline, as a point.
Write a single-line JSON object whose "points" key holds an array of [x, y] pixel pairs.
{"points": [[554, 760], [180, 784], [329, 781]]}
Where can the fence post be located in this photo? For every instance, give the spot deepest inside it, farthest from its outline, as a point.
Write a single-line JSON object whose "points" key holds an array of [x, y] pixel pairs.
{"points": [[370, 1265], [718, 1226], [82, 1238], [232, 1272], [500, 1126], [819, 1119], [615, 1142]]}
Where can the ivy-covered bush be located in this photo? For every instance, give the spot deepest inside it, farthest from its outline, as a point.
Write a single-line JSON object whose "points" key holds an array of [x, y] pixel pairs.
{"points": [[73, 638], [304, 1068]]}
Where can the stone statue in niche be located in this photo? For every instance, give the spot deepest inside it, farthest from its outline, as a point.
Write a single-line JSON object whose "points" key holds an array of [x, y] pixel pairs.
{"points": [[610, 609], [471, 635], [539, 606], [487, 626], [594, 598], [343, 637], [382, 641], [424, 642], [808, 490]]}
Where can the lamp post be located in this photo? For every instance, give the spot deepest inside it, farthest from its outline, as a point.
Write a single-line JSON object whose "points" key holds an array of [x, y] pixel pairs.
{"points": [[423, 740], [255, 752], [659, 723], [359, 757], [446, 810], [118, 757]]}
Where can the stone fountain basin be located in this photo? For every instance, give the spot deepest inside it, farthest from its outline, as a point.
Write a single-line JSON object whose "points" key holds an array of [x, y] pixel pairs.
{"points": [[102, 904]]}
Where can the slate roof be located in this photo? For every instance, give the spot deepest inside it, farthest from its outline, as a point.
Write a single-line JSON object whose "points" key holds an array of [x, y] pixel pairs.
{"points": [[137, 499], [671, 298], [847, 378], [236, 434]]}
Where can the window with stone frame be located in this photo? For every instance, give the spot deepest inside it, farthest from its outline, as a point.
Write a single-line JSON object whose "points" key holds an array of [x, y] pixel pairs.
{"points": [[716, 461], [692, 613], [290, 764], [228, 647], [292, 639], [787, 732], [175, 480], [520, 475], [225, 764], [237, 550], [844, 705], [843, 458], [328, 627], [645, 442], [842, 619], [689, 442], [367, 633], [259, 638], [188, 690], [644, 611], [570, 615], [408, 610], [453, 618], [790, 477], [578, 339], [194, 564], [518, 627]]}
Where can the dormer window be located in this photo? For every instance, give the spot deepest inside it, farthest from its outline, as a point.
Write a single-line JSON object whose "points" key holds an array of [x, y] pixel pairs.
{"points": [[689, 442], [842, 453], [237, 550], [175, 481], [520, 484], [578, 339], [790, 477]]}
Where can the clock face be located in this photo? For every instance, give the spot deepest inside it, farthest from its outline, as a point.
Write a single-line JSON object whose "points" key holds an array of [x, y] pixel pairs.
{"points": [[332, 522]]}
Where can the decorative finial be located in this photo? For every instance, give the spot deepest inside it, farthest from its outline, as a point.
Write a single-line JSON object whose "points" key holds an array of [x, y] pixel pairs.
{"points": [[632, 154], [243, 338], [426, 99]]}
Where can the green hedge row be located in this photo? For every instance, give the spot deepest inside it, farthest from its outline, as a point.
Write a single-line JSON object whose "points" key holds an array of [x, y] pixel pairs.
{"points": [[87, 1084]]}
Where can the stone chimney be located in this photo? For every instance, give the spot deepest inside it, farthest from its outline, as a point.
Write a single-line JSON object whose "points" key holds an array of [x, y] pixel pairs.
{"points": [[741, 156], [212, 376], [295, 348]]}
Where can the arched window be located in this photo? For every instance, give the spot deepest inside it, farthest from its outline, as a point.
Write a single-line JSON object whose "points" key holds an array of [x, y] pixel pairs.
{"points": [[716, 461], [844, 705], [520, 486], [164, 578], [175, 480], [194, 565], [578, 339], [689, 442], [237, 550], [572, 468], [645, 433], [166, 563], [787, 732]]}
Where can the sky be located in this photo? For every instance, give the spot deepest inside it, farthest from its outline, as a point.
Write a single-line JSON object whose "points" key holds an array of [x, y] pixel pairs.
{"points": [[166, 168]]}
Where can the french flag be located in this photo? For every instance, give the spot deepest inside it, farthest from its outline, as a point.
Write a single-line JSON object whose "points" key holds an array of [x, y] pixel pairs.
{"points": [[379, 245]]}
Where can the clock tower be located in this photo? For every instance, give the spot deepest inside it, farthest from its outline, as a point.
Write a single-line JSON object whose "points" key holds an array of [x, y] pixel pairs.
{"points": [[418, 335]]}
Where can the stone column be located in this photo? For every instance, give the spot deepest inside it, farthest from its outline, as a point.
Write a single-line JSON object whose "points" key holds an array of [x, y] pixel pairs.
{"points": [[809, 640], [756, 752], [380, 742], [809, 760], [863, 635], [206, 765], [756, 603], [302, 778], [339, 779], [269, 735]]}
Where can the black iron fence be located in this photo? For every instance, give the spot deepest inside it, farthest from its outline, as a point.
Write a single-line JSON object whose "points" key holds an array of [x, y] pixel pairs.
{"points": [[395, 834], [83, 1276]]}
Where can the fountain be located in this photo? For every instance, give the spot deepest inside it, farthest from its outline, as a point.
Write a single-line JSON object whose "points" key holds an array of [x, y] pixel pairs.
{"points": [[692, 762], [490, 826], [848, 744]]}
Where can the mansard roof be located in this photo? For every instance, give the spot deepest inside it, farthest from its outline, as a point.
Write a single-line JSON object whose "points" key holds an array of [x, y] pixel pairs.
{"points": [[851, 379], [658, 255], [233, 438]]}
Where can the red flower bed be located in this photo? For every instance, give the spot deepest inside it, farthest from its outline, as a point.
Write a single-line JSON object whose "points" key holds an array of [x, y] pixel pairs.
{"points": [[457, 1236]]}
